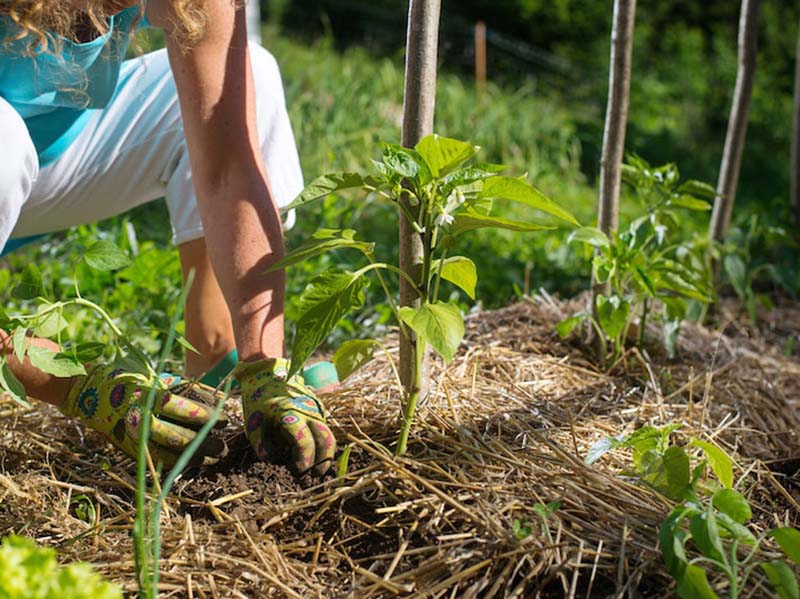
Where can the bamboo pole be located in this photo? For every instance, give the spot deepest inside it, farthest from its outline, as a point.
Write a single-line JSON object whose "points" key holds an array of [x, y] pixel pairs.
{"points": [[619, 85], [418, 110], [737, 121], [794, 166]]}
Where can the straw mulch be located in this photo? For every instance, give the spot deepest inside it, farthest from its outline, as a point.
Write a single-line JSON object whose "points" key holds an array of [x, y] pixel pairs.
{"points": [[507, 426]]}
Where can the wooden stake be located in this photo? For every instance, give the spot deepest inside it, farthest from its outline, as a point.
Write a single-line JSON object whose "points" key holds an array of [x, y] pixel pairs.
{"points": [[418, 110], [480, 56], [737, 122], [794, 165]]}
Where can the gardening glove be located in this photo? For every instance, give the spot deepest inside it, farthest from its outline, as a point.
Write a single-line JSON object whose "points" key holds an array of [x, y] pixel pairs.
{"points": [[280, 411], [111, 401]]}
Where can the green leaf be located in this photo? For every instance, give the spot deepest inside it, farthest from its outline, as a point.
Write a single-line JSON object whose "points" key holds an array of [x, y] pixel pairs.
{"points": [[406, 163], [737, 273], [720, 462], [688, 202], [601, 447], [460, 271], [733, 504], [343, 461], [325, 300], [321, 242], [694, 584], [30, 284], [470, 220], [788, 539], [439, 324], [443, 154], [90, 351], [643, 281], [105, 255], [591, 236], [325, 185], [676, 464], [18, 341], [57, 364], [670, 542], [698, 526], [352, 355], [11, 385], [781, 578], [699, 189], [613, 313], [566, 326], [517, 190], [51, 324], [545, 511]]}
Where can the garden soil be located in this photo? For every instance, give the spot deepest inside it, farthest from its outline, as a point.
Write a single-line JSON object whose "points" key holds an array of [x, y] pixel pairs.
{"points": [[506, 426]]}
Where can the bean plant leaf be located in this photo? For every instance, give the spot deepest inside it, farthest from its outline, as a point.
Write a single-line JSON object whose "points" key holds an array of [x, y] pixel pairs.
{"points": [[18, 341], [517, 190], [613, 313], [781, 578], [57, 364], [443, 154], [352, 355], [51, 324], [11, 385], [89, 351], [323, 186], [460, 271], [439, 324], [589, 235], [733, 504], [720, 462], [737, 273], [788, 539], [694, 584], [104, 255], [30, 283], [470, 220], [321, 242], [325, 300]]}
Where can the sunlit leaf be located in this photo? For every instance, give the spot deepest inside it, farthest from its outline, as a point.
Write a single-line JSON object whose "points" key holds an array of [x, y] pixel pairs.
{"points": [[460, 271], [443, 154], [104, 255], [325, 185], [589, 235], [733, 504], [439, 324], [470, 220], [321, 242], [57, 364], [11, 385], [781, 578], [720, 462], [517, 190], [788, 539], [352, 355]]}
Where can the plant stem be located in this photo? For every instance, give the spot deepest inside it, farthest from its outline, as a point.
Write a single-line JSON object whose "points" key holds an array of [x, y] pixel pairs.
{"points": [[435, 295], [413, 397], [643, 323], [390, 299]]}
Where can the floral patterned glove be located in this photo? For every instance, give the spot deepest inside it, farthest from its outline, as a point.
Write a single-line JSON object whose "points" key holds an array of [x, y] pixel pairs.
{"points": [[284, 412], [111, 400]]}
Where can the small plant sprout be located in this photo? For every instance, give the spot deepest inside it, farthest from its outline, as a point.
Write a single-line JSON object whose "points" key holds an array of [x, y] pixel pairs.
{"points": [[447, 194]]}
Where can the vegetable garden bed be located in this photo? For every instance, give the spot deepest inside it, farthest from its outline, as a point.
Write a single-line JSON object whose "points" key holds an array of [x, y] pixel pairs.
{"points": [[494, 498]]}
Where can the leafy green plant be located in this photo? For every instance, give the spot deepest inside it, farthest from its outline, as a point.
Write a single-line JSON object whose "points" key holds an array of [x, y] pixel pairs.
{"points": [[522, 528], [442, 194], [649, 274], [710, 518], [745, 256], [32, 572]]}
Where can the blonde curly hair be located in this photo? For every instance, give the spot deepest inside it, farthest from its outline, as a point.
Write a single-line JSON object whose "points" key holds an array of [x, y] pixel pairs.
{"points": [[40, 22]]}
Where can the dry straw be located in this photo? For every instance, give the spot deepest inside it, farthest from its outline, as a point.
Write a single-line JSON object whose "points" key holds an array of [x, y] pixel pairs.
{"points": [[507, 426]]}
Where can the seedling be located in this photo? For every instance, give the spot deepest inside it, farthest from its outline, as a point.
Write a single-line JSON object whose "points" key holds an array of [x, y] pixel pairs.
{"points": [[446, 195]]}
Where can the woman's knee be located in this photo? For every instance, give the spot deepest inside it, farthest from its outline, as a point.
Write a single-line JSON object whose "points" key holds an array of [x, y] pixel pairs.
{"points": [[19, 168], [19, 164]]}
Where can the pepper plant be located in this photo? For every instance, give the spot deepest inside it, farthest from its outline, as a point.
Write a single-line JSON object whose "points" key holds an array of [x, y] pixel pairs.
{"points": [[707, 531], [649, 272], [447, 194]]}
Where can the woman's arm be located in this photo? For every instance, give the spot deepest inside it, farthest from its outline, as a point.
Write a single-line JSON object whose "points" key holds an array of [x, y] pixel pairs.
{"points": [[242, 225]]}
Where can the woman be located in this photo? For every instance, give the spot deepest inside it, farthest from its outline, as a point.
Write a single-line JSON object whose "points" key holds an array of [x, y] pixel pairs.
{"points": [[85, 135]]}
